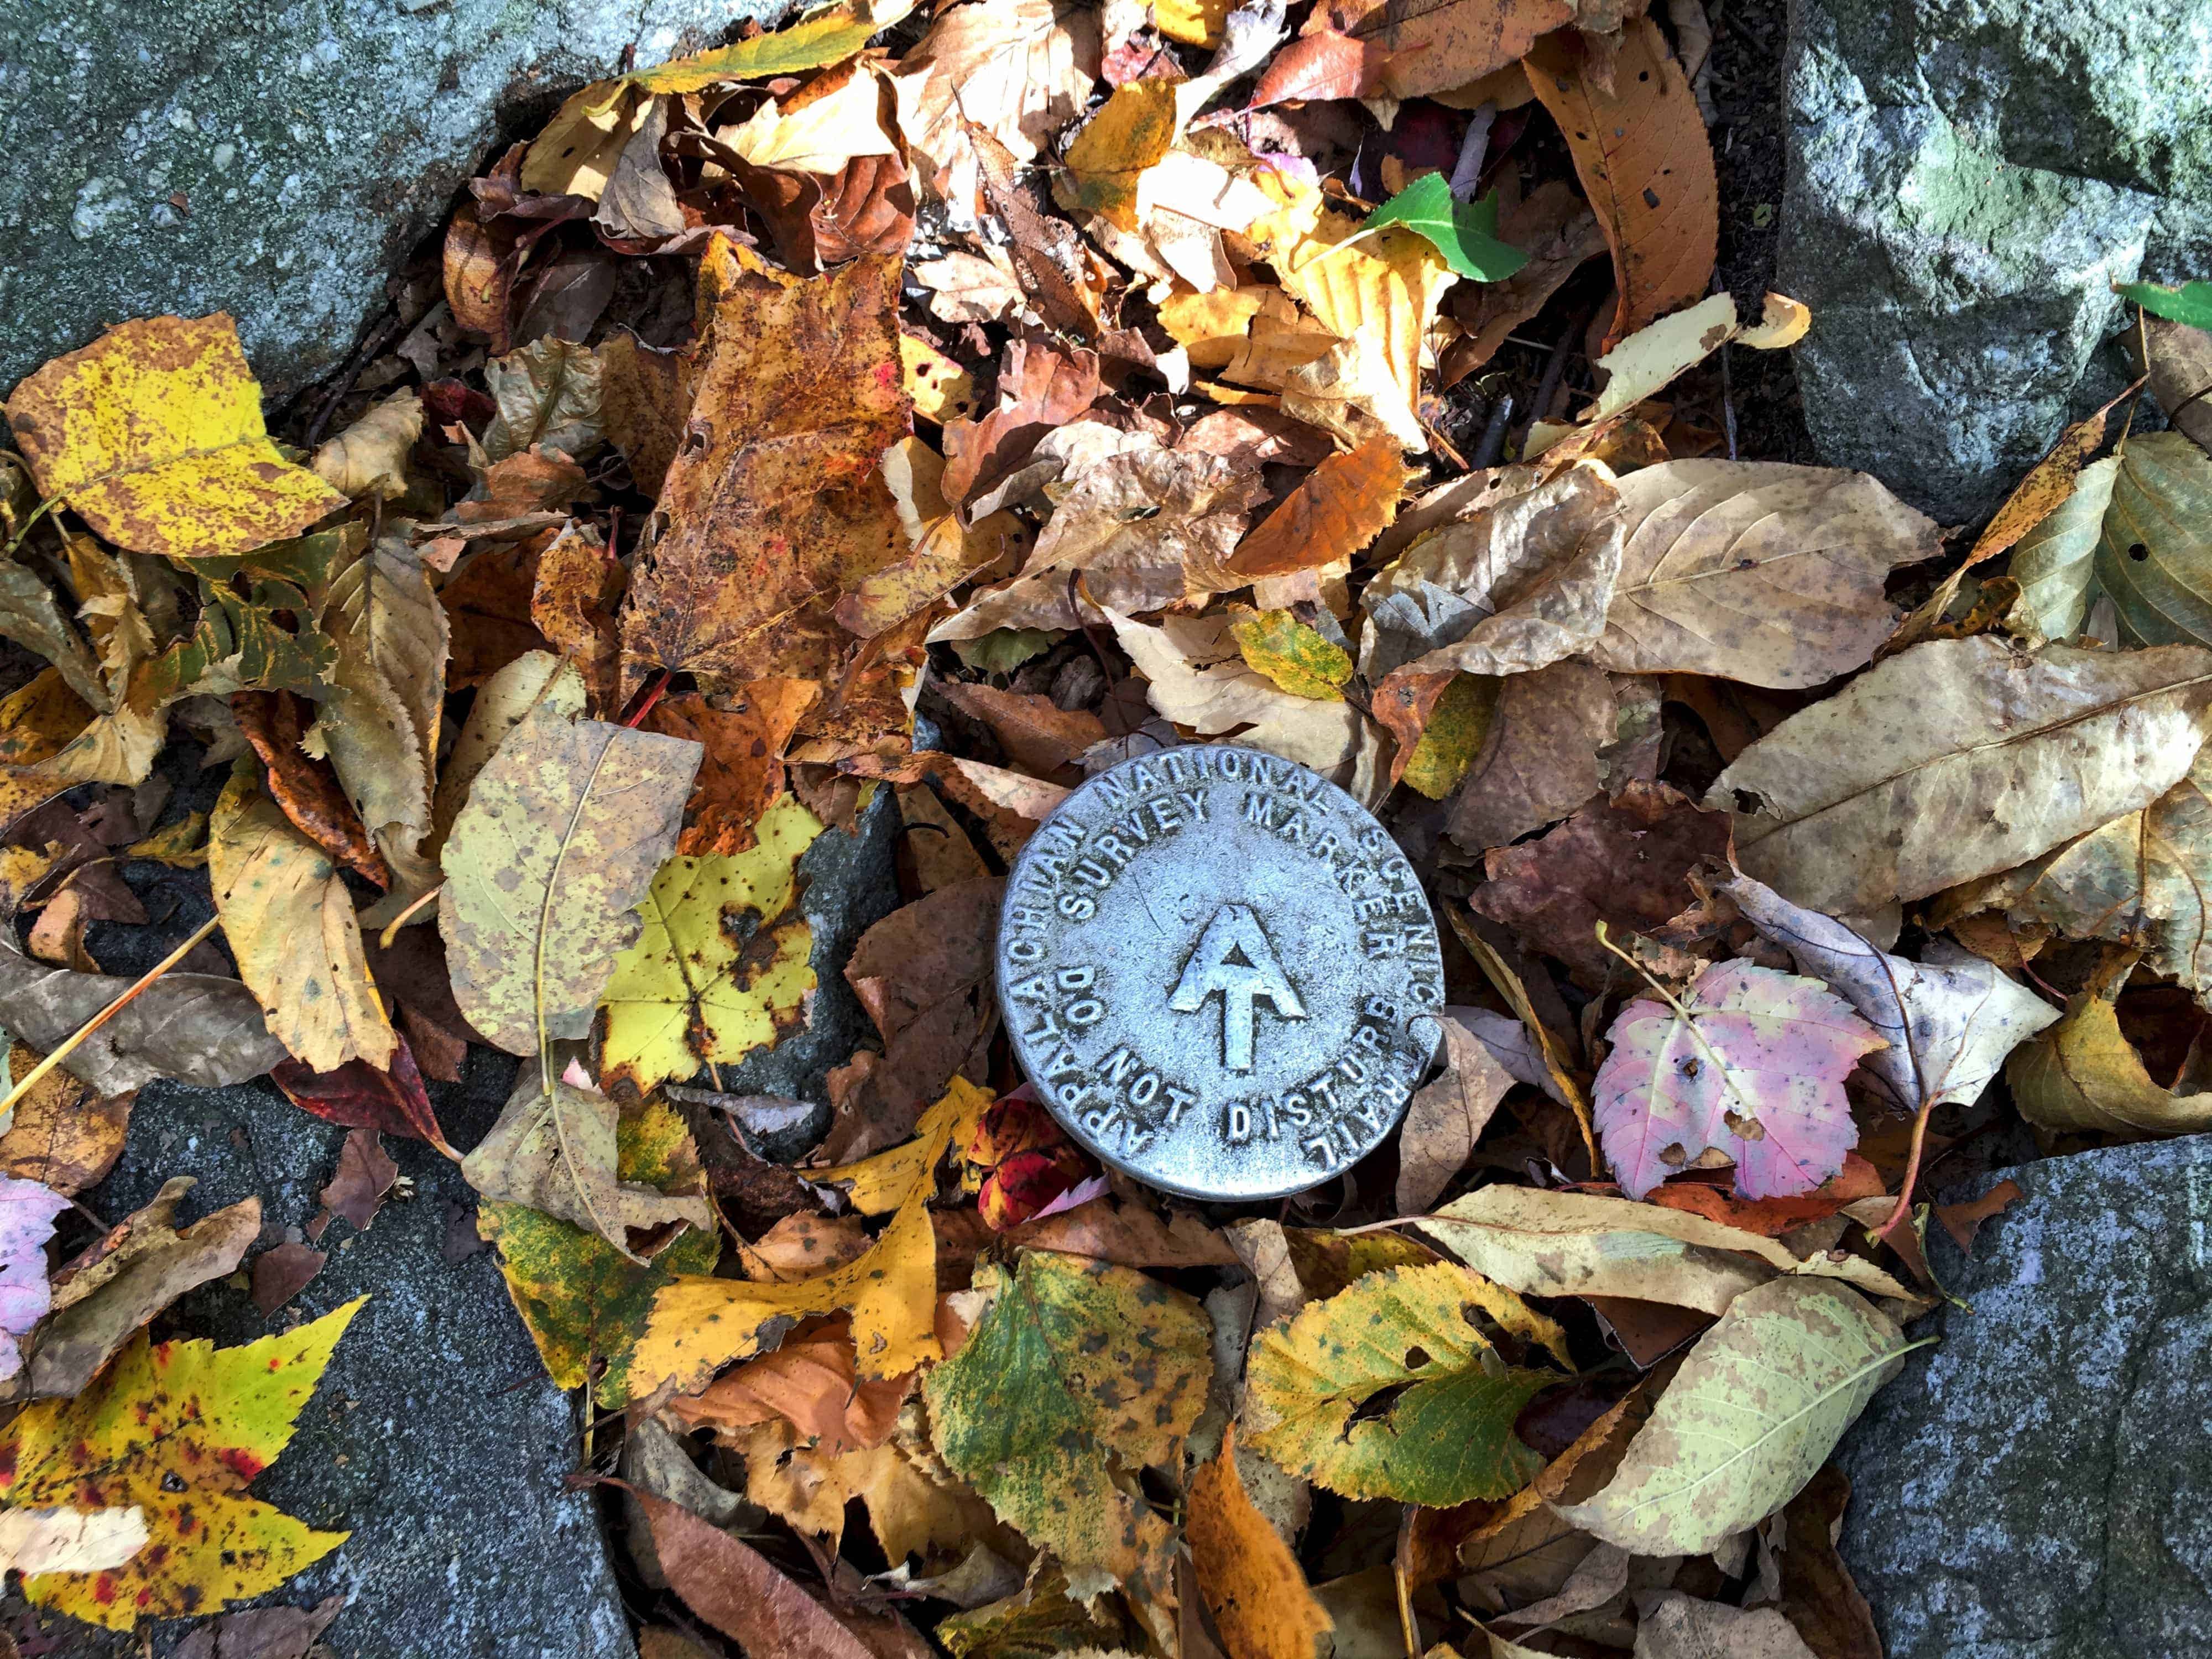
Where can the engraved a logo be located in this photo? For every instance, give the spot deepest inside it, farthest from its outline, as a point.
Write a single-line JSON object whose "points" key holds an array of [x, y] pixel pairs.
{"points": [[1234, 958]]}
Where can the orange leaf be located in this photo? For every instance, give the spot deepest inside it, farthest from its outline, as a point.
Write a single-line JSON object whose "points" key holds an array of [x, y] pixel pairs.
{"points": [[1341, 505], [1442, 44], [1252, 1580], [1038, 736], [1645, 164], [1770, 1217], [743, 771]]}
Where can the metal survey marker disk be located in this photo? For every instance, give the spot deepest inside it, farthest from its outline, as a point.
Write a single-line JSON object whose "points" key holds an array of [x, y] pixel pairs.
{"points": [[1214, 965]]}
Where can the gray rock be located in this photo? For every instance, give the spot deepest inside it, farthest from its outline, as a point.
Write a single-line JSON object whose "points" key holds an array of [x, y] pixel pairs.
{"points": [[1966, 181], [435, 1435], [274, 161], [2034, 1488]]}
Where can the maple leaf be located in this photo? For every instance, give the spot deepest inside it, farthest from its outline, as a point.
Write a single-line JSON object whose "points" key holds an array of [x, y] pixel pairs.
{"points": [[1751, 1062], [154, 434], [176, 1430], [769, 522], [27, 1222]]}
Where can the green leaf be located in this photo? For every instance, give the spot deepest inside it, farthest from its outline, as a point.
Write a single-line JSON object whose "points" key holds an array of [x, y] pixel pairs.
{"points": [[1299, 660], [2155, 556], [1464, 233], [241, 644], [1003, 650], [1446, 1434], [2190, 303], [2055, 563], [1078, 1370], [1457, 728], [546, 868], [583, 1299], [1753, 1414], [724, 963]]}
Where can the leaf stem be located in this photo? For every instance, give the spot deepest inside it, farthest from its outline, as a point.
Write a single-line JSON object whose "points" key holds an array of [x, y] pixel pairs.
{"points": [[391, 931], [37, 513], [70, 1045]]}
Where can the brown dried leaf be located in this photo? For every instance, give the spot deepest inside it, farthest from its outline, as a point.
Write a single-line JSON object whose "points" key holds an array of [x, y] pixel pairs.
{"points": [[1539, 761], [1037, 735], [1337, 509], [306, 785], [1645, 164], [742, 771], [731, 1586], [1446, 1117], [780, 507]]}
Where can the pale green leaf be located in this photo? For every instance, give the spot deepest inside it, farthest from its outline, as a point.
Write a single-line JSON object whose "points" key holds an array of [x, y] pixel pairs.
{"points": [[2155, 557], [2055, 563]]}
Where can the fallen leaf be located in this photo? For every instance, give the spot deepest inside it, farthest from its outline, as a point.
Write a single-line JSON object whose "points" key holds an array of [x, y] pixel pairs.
{"points": [[1077, 1372], [390, 1100], [1538, 761], [1750, 1063], [1772, 1217], [810, 1381], [1559, 233], [1129, 1234], [2055, 562], [2189, 303], [556, 1149], [36, 1541], [1672, 1625], [364, 1174], [27, 1222], [1964, 1220], [2083, 1073], [733, 1587], [1819, 1598], [801, 1245], [1640, 150], [1892, 788], [699, 1325], [1020, 71], [1623, 862], [281, 1272], [290, 923], [547, 866], [2178, 358], [1038, 734], [369, 458], [548, 396], [1041, 1617], [578, 584], [724, 963], [1442, 1432], [262, 1632], [783, 508], [133, 1271], [585, 1302], [176, 1431], [821, 129], [1195, 677], [61, 1137], [1521, 583], [1464, 233], [1336, 510], [306, 786], [1752, 1413], [1127, 136], [1297, 658], [152, 433], [1259, 1595], [1949, 1024], [2153, 555], [1566, 1243], [1756, 571], [1446, 1117]]}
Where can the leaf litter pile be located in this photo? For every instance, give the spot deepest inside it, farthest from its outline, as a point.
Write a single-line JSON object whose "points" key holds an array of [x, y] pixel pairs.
{"points": [[910, 415]]}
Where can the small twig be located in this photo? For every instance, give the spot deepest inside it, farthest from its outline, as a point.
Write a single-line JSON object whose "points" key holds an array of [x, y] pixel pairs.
{"points": [[1548, 388], [70, 1045], [654, 694], [1492, 448], [37, 513], [370, 345]]}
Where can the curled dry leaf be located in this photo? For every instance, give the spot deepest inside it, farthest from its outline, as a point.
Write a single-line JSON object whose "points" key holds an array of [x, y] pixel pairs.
{"points": [[2084, 1075], [1259, 1598], [370, 456], [1639, 148], [1949, 1024], [1447, 1116], [154, 434], [290, 923], [1894, 787], [306, 785], [547, 866], [1754, 1411]]}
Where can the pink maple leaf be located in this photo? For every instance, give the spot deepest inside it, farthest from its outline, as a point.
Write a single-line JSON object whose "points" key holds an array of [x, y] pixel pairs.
{"points": [[1751, 1062]]}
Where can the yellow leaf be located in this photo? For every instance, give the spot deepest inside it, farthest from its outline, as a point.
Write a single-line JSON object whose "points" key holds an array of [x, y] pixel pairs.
{"points": [[1411, 1335], [1261, 1600], [879, 1184], [153, 434], [1193, 22], [942, 391], [1131, 130], [1296, 657], [820, 137], [1453, 735], [700, 1325], [177, 1431], [291, 925], [2083, 1073], [725, 963]]}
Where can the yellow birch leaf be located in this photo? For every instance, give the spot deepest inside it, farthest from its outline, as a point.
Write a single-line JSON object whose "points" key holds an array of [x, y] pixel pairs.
{"points": [[942, 391], [1296, 657], [1193, 22], [879, 1184], [1131, 130], [177, 1430], [153, 434], [291, 925], [725, 963], [1446, 1435], [700, 1325]]}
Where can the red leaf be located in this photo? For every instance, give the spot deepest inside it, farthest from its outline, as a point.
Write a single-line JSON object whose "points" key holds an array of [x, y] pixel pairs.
{"points": [[359, 1096], [1770, 1217], [1323, 65]]}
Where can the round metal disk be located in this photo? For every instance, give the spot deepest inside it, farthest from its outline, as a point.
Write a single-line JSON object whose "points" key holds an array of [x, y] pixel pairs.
{"points": [[1214, 965]]}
